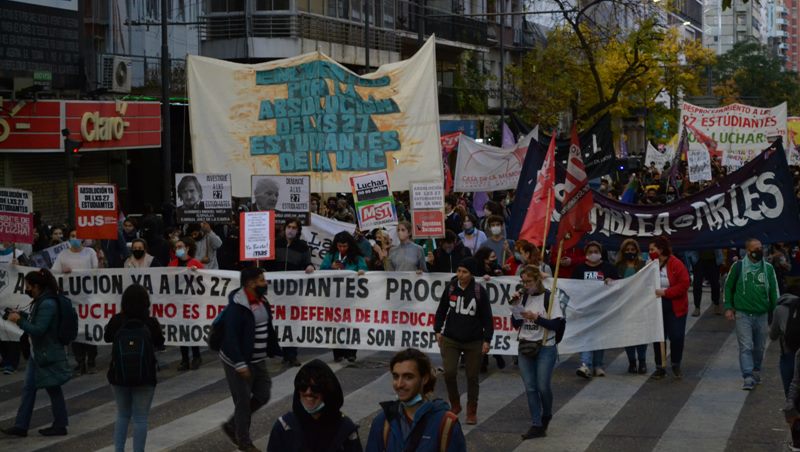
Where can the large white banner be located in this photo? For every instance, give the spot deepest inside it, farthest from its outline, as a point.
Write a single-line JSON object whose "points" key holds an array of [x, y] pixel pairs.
{"points": [[328, 309], [309, 115], [735, 132], [659, 156], [481, 167], [320, 232]]}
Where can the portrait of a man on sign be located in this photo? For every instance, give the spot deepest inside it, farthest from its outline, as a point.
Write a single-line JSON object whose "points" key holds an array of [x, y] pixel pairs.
{"points": [[190, 193], [265, 193]]}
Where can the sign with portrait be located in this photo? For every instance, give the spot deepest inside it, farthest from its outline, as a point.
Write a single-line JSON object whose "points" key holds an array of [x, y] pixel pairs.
{"points": [[203, 198], [288, 196]]}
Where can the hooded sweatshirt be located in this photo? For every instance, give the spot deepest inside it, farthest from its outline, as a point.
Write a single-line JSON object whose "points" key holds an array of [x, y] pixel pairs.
{"points": [[463, 317], [751, 287], [777, 329], [332, 431]]}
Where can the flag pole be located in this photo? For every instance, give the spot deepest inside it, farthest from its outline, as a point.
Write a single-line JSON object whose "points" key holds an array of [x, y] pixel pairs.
{"points": [[547, 215], [555, 281]]}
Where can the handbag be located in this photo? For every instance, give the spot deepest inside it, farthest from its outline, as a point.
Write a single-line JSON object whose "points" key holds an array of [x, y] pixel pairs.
{"points": [[529, 349]]}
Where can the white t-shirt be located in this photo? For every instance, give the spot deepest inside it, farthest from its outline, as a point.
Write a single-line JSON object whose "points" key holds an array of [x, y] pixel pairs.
{"points": [[69, 260], [664, 277], [529, 330]]}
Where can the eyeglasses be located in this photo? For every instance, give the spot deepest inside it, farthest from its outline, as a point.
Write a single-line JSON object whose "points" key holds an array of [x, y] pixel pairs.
{"points": [[301, 386]]}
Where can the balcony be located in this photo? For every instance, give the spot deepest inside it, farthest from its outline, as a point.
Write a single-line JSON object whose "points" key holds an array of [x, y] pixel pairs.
{"points": [[445, 24]]}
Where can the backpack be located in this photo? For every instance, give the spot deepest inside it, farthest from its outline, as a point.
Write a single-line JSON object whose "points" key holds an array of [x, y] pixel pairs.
{"points": [[791, 336], [133, 359], [67, 320], [217, 332]]}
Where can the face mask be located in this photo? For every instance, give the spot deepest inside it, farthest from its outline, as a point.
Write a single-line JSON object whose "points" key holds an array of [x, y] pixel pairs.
{"points": [[414, 401], [316, 409], [756, 255], [29, 293], [593, 257], [180, 252], [291, 233], [138, 254], [630, 256], [402, 235], [496, 230], [260, 291], [74, 243], [653, 255]]}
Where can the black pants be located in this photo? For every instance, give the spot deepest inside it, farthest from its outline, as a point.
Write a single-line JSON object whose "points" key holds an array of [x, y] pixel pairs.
{"points": [[85, 353], [343, 353], [674, 332], [10, 350], [705, 270], [185, 353]]}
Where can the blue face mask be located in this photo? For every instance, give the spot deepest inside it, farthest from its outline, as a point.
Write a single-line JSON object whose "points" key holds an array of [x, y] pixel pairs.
{"points": [[414, 401], [75, 243], [180, 252], [316, 409]]}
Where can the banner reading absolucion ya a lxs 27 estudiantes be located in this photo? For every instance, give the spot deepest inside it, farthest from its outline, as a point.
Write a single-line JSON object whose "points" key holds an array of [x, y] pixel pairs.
{"points": [[309, 115]]}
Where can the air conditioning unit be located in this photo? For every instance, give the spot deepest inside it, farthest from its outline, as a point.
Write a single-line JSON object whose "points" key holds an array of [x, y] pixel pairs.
{"points": [[114, 73]]}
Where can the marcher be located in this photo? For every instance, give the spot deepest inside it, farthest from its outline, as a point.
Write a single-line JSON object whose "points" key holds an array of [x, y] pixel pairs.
{"points": [[343, 254], [249, 338], [787, 304], [497, 242], [468, 329], [674, 293], [185, 249], [407, 255], [594, 269], [452, 220], [446, 257], [629, 262], [316, 422], [537, 355], [472, 237], [139, 257], [415, 421], [207, 242], [751, 292], [706, 268], [48, 367], [135, 326]]}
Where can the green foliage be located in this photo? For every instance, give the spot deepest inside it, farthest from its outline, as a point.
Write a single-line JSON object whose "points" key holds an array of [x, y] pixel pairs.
{"points": [[470, 82]]}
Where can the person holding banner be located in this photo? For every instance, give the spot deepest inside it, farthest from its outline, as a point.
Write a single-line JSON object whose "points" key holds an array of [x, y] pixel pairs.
{"points": [[139, 257], [674, 293], [407, 256], [472, 237], [537, 348], [343, 254], [629, 262], [185, 249], [446, 257], [79, 257], [497, 241], [48, 367], [463, 324]]}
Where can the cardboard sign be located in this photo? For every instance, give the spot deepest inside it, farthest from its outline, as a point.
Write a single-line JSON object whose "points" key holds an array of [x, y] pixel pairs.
{"points": [[16, 215], [203, 197], [379, 212], [288, 196], [257, 237], [369, 187], [96, 211], [427, 223], [427, 195], [427, 209]]}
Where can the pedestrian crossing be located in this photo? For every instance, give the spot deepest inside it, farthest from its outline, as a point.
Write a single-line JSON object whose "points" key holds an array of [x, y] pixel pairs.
{"points": [[620, 412]]}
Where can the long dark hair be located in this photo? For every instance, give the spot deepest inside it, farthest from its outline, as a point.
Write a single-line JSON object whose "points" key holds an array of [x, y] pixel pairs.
{"points": [[44, 280], [352, 247], [136, 302]]}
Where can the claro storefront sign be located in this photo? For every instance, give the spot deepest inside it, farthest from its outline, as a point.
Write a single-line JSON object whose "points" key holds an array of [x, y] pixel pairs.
{"points": [[36, 126]]}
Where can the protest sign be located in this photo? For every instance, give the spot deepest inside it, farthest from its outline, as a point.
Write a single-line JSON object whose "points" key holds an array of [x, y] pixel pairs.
{"points": [[427, 209], [320, 232], [428, 224], [96, 211], [203, 198], [383, 311], [482, 167], [309, 115], [368, 187], [375, 213], [257, 236], [793, 142], [16, 215], [736, 132], [699, 165], [46, 257], [658, 155], [427, 195], [288, 196]]}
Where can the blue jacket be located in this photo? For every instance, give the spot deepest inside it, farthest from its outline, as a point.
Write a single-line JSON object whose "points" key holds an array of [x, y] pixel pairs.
{"points": [[49, 356], [437, 412], [240, 331]]}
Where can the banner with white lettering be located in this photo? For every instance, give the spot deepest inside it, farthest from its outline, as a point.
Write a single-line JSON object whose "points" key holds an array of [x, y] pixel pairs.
{"points": [[203, 197], [329, 309], [482, 167], [16, 215], [96, 211]]}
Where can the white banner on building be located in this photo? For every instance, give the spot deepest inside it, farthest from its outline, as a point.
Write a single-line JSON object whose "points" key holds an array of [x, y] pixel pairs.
{"points": [[481, 167], [329, 309]]}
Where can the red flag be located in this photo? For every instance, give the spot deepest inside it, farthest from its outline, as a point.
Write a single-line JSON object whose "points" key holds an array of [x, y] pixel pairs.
{"points": [[449, 143], [578, 199], [707, 141], [533, 228]]}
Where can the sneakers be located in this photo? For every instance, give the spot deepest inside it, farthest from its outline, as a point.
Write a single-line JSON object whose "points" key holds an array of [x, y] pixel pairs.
{"points": [[599, 372], [53, 431], [584, 371], [642, 368], [8, 370], [534, 432], [632, 367], [749, 384], [659, 373], [15, 431], [196, 363], [230, 433], [757, 377], [676, 370], [696, 312]]}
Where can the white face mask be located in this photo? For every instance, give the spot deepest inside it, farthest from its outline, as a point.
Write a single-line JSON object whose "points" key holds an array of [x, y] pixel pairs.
{"points": [[594, 257], [496, 230]]}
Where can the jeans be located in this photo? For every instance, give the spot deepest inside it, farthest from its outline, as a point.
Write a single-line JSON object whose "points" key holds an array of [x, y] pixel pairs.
{"points": [[57, 403], [537, 374], [674, 332], [248, 396], [635, 351], [705, 270], [451, 352], [593, 359], [751, 333], [786, 365], [133, 403]]}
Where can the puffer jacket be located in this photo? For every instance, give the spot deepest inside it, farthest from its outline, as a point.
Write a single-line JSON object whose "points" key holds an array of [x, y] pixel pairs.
{"points": [[49, 356]]}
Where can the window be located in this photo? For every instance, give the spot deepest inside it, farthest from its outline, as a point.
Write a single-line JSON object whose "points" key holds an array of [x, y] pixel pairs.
{"points": [[224, 6], [388, 13], [741, 19], [339, 8], [273, 5]]}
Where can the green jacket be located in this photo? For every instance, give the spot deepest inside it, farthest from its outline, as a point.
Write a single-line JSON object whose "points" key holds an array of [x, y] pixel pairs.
{"points": [[49, 358], [753, 293]]}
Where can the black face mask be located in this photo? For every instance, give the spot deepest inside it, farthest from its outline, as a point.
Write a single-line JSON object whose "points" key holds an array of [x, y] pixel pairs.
{"points": [[138, 254], [630, 256], [29, 293], [756, 255], [260, 291]]}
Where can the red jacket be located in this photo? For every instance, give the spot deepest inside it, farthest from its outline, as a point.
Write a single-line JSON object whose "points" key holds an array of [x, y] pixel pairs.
{"points": [[678, 290], [192, 262], [576, 256]]}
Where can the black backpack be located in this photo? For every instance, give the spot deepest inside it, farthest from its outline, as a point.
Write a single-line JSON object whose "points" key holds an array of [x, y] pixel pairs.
{"points": [[67, 320], [791, 336], [133, 359], [217, 332]]}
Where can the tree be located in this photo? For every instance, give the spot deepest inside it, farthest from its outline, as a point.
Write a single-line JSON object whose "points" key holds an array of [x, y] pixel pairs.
{"points": [[749, 73]]}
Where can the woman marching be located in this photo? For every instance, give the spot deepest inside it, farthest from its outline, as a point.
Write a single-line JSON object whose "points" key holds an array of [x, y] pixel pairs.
{"points": [[674, 293], [629, 262]]}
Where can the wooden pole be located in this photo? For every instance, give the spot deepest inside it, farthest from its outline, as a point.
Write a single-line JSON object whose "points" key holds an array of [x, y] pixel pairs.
{"points": [[663, 345], [553, 289], [546, 227]]}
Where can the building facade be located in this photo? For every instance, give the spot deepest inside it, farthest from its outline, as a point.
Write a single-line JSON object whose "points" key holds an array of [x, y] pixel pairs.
{"points": [[739, 23], [793, 35]]}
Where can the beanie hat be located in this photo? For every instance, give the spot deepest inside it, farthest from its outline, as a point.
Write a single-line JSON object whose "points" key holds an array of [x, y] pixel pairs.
{"points": [[469, 264]]}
